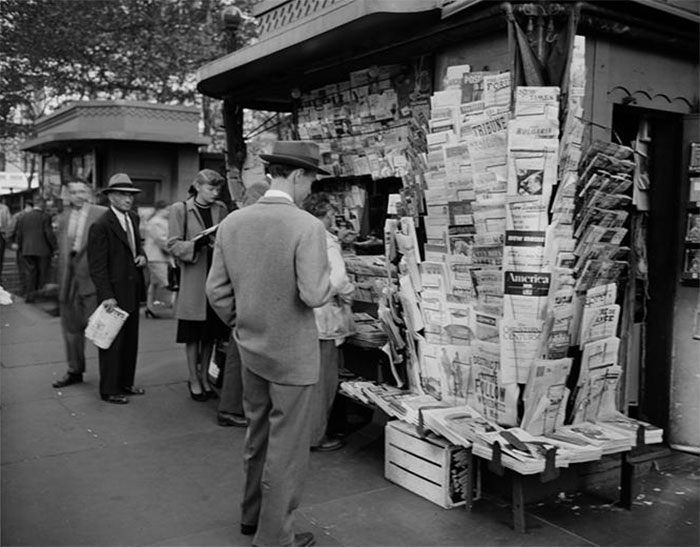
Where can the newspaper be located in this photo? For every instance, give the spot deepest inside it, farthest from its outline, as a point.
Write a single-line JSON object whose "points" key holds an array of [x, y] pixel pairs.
{"points": [[546, 395], [103, 326], [525, 295], [521, 344], [525, 213], [599, 323], [497, 402], [524, 250], [532, 170], [595, 398], [538, 102], [597, 355], [461, 425]]}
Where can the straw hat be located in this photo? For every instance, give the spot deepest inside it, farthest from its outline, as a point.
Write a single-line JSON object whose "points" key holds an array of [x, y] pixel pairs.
{"points": [[121, 182]]}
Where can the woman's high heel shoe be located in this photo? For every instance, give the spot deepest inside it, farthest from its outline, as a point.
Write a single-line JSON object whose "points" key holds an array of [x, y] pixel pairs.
{"points": [[151, 314], [200, 397]]}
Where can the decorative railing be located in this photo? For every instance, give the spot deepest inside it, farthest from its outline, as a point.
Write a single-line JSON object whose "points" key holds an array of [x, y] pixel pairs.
{"points": [[291, 11]]}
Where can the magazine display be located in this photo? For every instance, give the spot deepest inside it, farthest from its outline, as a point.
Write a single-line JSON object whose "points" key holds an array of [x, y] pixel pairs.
{"points": [[507, 310]]}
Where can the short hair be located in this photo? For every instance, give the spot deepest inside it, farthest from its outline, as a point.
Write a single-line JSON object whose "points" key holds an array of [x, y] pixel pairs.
{"points": [[209, 176], [283, 170], [76, 179], [318, 204]]}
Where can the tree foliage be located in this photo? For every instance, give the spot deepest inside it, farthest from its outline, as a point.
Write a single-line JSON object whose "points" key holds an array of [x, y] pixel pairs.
{"points": [[53, 51]]}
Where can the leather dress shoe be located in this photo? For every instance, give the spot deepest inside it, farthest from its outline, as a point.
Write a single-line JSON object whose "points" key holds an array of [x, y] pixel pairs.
{"points": [[115, 399], [249, 529], [304, 539], [228, 419], [328, 445], [68, 380], [131, 390]]}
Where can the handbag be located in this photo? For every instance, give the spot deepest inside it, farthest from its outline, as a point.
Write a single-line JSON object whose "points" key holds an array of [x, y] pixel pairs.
{"points": [[174, 271]]}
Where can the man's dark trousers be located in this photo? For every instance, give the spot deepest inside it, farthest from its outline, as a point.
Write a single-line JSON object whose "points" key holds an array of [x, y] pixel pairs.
{"points": [[118, 362]]}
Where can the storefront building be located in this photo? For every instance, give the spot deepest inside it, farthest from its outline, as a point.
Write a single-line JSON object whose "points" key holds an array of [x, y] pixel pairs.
{"points": [[641, 84], [157, 145]]}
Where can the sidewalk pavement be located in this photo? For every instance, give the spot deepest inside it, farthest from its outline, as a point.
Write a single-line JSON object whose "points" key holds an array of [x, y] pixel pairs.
{"points": [[161, 472]]}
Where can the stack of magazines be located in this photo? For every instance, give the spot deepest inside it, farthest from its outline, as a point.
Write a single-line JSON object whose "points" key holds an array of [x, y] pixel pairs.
{"points": [[601, 214], [629, 427], [609, 440], [368, 331]]}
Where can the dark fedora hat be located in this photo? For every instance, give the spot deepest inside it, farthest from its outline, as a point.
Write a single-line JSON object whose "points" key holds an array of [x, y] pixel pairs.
{"points": [[304, 154], [121, 182]]}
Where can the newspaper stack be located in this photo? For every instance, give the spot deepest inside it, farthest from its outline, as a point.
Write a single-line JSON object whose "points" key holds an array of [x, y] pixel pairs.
{"points": [[609, 440], [629, 426], [520, 451], [368, 331], [461, 425]]}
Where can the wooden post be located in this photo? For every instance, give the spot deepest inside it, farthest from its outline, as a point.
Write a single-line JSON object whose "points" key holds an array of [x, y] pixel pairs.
{"points": [[235, 148], [518, 503]]}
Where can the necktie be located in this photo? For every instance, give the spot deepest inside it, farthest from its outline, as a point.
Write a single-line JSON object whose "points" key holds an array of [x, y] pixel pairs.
{"points": [[130, 234]]}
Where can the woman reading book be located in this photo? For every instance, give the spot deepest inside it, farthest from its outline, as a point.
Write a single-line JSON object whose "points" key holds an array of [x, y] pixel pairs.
{"points": [[191, 233]]}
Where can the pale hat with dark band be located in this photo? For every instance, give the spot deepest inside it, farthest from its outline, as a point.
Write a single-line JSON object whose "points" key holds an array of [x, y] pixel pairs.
{"points": [[304, 154], [121, 182]]}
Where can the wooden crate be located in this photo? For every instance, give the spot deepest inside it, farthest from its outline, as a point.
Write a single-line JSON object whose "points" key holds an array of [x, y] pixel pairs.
{"points": [[432, 467]]}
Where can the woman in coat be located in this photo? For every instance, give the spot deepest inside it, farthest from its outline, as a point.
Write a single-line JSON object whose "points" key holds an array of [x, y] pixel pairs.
{"points": [[198, 326]]}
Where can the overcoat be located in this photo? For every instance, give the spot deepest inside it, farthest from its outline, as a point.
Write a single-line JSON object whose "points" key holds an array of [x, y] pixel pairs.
{"points": [[112, 267], [191, 300], [34, 234], [270, 268]]}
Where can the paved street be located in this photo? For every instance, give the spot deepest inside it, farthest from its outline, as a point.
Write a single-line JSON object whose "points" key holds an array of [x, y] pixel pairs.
{"points": [[160, 471]]}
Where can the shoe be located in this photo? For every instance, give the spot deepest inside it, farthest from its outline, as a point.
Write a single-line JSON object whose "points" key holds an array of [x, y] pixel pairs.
{"points": [[211, 394], [151, 314], [68, 380], [131, 390], [115, 399], [199, 397], [228, 419], [304, 539], [249, 529], [328, 445]]}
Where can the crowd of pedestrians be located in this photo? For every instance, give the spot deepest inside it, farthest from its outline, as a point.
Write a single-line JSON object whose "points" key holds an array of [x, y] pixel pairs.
{"points": [[265, 285]]}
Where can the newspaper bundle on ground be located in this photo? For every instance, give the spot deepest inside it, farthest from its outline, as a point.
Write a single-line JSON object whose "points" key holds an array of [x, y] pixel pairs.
{"points": [[103, 326]]}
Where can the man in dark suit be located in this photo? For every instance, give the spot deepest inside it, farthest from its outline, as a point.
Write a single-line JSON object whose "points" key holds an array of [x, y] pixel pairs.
{"points": [[76, 296], [116, 260], [37, 243]]}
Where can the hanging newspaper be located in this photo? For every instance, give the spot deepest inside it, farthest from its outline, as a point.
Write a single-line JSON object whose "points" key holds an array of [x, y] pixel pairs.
{"points": [[460, 277], [595, 398], [525, 213], [524, 250], [597, 355], [537, 102], [496, 91], [546, 396], [495, 401], [599, 323], [532, 171], [460, 321], [521, 344], [489, 288], [525, 295]]}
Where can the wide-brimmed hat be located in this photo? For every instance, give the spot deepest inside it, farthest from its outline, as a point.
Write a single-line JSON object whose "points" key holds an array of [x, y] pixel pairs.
{"points": [[304, 154], [121, 182]]}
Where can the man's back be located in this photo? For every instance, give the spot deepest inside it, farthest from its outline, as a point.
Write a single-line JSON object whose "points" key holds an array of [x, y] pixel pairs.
{"points": [[35, 235], [275, 256]]}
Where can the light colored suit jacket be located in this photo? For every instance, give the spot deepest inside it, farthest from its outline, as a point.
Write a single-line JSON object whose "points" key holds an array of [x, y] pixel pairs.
{"points": [[80, 283], [270, 268]]}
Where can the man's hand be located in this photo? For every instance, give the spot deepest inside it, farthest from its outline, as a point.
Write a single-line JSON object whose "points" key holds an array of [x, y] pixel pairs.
{"points": [[109, 304], [140, 261]]}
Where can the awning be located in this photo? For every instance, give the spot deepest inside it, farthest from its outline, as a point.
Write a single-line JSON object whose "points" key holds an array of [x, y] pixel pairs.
{"points": [[53, 141], [327, 45]]}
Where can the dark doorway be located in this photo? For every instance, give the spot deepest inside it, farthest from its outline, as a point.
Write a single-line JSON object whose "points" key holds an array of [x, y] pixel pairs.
{"points": [[655, 305]]}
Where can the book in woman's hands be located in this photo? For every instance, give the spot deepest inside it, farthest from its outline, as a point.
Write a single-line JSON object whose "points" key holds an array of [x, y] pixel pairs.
{"points": [[209, 231]]}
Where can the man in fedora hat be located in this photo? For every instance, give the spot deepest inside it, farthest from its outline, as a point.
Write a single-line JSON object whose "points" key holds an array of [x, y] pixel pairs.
{"points": [[269, 269], [116, 260]]}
